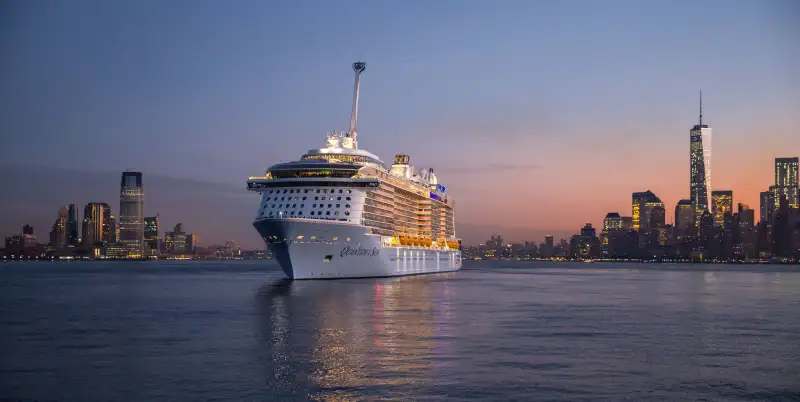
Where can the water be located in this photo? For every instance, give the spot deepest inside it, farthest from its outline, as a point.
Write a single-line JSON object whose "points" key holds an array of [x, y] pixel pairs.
{"points": [[502, 331]]}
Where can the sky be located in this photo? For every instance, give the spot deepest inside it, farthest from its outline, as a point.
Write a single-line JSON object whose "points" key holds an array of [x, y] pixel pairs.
{"points": [[538, 115]]}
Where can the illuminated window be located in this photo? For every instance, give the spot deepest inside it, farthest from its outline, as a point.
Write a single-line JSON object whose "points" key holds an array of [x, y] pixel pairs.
{"points": [[347, 239], [349, 191], [299, 237], [325, 191], [336, 213]]}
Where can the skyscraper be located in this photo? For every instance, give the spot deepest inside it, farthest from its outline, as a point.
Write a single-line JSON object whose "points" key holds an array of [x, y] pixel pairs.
{"points": [[72, 226], [152, 239], [58, 234], [721, 202], [642, 204], [766, 207], [96, 224], [684, 214], [786, 182], [131, 213], [700, 163]]}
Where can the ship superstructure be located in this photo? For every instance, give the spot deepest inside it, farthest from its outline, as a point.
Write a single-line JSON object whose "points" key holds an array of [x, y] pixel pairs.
{"points": [[338, 212]]}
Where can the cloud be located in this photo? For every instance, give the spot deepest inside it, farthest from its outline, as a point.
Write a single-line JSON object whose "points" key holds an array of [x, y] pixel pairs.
{"points": [[490, 168]]}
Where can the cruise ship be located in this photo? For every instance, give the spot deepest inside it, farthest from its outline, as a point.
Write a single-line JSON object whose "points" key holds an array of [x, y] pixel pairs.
{"points": [[339, 212]]}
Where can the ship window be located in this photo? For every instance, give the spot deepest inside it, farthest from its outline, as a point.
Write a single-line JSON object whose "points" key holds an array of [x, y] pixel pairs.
{"points": [[339, 198], [267, 199], [273, 205], [336, 213], [305, 191], [329, 205], [331, 198], [312, 212], [317, 191], [300, 213], [284, 191], [328, 213], [292, 212], [316, 198], [325, 191], [347, 198], [347, 213], [294, 205], [271, 213], [304, 198], [347, 205], [347, 239], [340, 191], [314, 206], [302, 205], [349, 191], [338, 205]]}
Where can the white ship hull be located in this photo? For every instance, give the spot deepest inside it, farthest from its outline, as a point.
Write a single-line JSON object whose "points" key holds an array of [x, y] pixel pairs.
{"points": [[319, 249]]}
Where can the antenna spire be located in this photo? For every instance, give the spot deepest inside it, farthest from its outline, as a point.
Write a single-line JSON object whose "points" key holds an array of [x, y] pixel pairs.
{"points": [[701, 109]]}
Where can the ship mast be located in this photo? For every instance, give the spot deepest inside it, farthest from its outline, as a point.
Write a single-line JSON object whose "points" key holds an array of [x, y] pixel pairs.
{"points": [[359, 68]]}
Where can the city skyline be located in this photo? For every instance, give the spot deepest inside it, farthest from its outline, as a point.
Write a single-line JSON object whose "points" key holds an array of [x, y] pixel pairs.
{"points": [[512, 103]]}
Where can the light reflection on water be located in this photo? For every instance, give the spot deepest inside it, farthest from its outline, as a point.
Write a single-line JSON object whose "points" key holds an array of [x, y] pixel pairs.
{"points": [[364, 333]]}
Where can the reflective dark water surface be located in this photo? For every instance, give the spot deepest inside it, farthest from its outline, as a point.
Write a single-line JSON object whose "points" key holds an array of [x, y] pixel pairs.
{"points": [[494, 331]]}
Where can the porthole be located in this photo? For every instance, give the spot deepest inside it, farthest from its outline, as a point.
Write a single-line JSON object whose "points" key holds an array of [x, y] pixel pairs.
{"points": [[328, 213], [292, 213], [347, 198], [300, 213], [347, 213], [312, 213], [347, 205]]}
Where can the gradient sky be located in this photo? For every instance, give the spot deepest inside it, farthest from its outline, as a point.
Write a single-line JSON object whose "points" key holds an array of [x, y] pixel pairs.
{"points": [[536, 114]]}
